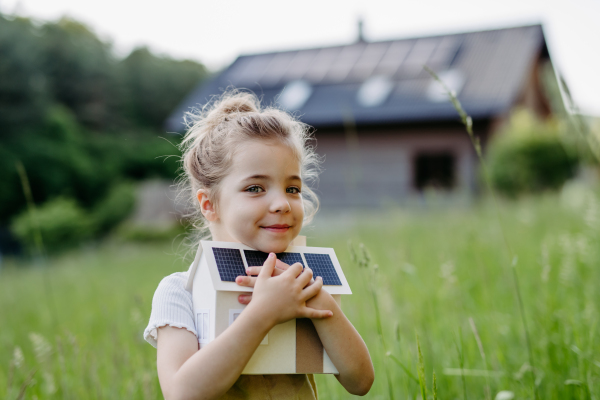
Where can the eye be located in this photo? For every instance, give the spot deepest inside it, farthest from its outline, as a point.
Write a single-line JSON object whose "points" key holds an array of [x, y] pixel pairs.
{"points": [[254, 189], [293, 190]]}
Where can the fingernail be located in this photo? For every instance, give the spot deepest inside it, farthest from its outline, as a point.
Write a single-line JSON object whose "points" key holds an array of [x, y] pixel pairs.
{"points": [[271, 255]]}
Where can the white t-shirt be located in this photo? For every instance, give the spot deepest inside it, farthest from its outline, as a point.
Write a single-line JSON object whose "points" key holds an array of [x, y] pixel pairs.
{"points": [[171, 305]]}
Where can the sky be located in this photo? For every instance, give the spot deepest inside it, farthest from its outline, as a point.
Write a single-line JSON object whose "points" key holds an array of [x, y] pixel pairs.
{"points": [[216, 32]]}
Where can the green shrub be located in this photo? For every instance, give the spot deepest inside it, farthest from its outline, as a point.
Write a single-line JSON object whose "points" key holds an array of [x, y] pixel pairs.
{"points": [[61, 222], [530, 157], [115, 207]]}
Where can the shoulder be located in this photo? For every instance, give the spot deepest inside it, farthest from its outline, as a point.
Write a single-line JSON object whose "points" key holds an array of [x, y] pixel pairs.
{"points": [[173, 283], [171, 305], [171, 292]]}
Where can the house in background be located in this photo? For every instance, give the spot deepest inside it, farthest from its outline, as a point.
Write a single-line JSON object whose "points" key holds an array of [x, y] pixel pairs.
{"points": [[384, 125]]}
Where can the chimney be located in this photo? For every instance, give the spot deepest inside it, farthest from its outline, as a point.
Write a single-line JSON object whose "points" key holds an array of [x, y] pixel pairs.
{"points": [[361, 36]]}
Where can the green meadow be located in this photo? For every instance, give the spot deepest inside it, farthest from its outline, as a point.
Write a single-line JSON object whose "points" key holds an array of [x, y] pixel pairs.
{"points": [[501, 306]]}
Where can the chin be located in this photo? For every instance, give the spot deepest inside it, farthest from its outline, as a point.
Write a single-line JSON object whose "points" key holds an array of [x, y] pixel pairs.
{"points": [[271, 246]]}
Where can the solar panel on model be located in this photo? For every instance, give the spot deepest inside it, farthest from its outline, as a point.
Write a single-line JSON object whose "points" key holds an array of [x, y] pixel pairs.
{"points": [[229, 263], [322, 266], [291, 258], [256, 258]]}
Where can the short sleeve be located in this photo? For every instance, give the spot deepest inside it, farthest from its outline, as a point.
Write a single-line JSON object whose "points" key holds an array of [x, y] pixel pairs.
{"points": [[171, 305]]}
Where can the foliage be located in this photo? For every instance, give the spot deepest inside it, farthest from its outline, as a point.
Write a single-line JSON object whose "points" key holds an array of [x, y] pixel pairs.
{"points": [[115, 207], [78, 118], [62, 223], [441, 276], [154, 85], [530, 156]]}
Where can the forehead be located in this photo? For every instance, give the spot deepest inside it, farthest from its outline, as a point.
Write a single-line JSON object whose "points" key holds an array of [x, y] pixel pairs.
{"points": [[265, 158]]}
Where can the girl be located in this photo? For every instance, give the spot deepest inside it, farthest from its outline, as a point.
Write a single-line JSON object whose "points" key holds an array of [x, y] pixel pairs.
{"points": [[246, 168]]}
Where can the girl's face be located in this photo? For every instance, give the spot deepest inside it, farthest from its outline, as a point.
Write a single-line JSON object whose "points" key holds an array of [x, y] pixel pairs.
{"points": [[260, 201]]}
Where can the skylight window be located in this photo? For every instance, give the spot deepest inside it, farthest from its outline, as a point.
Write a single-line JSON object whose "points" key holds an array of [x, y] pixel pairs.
{"points": [[453, 78], [295, 94], [374, 91]]}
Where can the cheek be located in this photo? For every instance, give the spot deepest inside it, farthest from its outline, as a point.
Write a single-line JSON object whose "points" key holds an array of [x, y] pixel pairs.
{"points": [[250, 210], [299, 209]]}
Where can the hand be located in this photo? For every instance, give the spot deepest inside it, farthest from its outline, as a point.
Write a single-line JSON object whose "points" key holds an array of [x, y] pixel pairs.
{"points": [[282, 297], [253, 272]]}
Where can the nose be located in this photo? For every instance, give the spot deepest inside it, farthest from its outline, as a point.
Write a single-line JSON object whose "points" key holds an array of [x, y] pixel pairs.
{"points": [[280, 204]]}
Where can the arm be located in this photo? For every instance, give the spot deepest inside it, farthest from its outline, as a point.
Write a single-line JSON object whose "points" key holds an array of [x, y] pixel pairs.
{"points": [[343, 343], [344, 346], [186, 373]]}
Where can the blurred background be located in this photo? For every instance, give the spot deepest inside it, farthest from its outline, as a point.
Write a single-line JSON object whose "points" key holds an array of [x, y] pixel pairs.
{"points": [[92, 98]]}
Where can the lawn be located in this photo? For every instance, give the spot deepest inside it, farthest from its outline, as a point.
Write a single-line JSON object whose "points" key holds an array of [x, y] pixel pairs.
{"points": [[444, 275]]}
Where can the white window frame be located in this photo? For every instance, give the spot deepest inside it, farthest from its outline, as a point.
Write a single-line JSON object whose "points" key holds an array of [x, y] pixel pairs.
{"points": [[203, 325]]}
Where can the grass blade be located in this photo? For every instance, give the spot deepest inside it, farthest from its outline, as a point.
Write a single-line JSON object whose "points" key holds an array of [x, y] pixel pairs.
{"points": [[488, 392], [422, 382], [434, 387], [461, 362], [401, 365]]}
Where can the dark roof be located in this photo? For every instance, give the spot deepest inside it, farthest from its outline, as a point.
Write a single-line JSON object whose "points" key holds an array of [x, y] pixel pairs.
{"points": [[384, 82]]}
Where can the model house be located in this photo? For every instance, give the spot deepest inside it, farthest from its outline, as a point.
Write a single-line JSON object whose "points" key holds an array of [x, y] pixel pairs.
{"points": [[289, 348]]}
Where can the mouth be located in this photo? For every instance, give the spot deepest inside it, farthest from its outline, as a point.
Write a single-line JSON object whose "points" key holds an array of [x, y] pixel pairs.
{"points": [[277, 228]]}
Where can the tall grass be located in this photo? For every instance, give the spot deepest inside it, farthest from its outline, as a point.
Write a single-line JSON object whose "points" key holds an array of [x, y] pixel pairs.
{"points": [[468, 123], [440, 272]]}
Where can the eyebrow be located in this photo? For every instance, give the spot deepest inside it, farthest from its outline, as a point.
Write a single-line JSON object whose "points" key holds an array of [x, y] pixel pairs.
{"points": [[267, 177]]}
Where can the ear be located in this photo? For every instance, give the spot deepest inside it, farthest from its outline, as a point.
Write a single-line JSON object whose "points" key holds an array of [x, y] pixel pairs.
{"points": [[207, 207]]}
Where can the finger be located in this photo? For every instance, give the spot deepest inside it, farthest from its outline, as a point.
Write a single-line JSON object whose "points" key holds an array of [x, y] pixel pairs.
{"points": [[255, 271], [315, 314], [294, 270], [244, 298], [281, 265], [305, 277], [277, 271], [249, 281], [312, 290], [268, 267]]}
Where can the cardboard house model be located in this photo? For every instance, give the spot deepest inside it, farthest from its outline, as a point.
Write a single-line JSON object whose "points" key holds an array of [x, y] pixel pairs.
{"points": [[289, 348]]}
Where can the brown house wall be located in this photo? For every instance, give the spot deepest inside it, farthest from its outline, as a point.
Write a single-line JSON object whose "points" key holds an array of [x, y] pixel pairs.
{"points": [[378, 167]]}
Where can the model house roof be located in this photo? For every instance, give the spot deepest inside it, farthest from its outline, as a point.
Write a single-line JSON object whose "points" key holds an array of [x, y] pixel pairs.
{"points": [[384, 82], [228, 260]]}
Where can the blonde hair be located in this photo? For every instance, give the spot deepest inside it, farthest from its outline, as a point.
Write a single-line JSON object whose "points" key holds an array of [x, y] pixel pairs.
{"points": [[216, 131]]}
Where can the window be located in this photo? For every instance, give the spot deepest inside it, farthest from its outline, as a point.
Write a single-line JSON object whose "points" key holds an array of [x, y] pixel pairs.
{"points": [[295, 95], [434, 170], [374, 91], [203, 325]]}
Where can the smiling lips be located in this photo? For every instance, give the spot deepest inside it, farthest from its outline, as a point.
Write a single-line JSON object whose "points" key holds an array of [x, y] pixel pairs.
{"points": [[277, 228]]}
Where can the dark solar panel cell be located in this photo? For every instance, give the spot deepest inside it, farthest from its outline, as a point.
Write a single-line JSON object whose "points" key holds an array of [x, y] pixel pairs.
{"points": [[322, 266], [291, 258], [256, 258], [229, 263]]}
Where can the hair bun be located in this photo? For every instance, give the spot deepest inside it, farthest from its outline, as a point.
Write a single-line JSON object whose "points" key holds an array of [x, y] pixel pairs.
{"points": [[239, 103]]}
